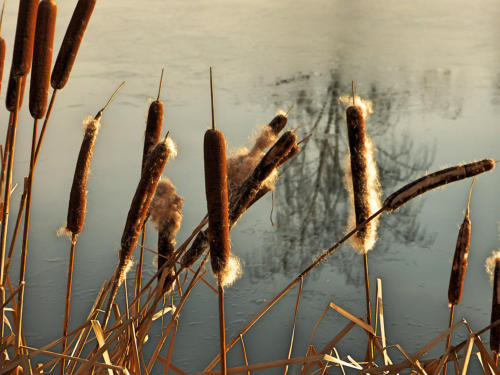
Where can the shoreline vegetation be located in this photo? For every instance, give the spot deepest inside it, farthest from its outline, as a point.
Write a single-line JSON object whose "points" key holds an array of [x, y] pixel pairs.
{"points": [[114, 339]]}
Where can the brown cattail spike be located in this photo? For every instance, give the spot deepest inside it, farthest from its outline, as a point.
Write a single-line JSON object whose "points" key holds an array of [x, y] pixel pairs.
{"points": [[42, 57], [11, 96], [214, 151], [25, 33], [495, 310], [141, 201], [71, 42], [434, 180], [460, 260], [78, 195], [154, 123]]}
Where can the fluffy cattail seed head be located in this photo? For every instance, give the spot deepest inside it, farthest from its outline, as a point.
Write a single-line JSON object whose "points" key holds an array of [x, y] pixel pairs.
{"points": [[362, 180], [42, 57]]}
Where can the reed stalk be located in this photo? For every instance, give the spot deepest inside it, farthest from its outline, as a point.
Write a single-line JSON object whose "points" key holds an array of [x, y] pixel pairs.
{"points": [[495, 311], [12, 142]]}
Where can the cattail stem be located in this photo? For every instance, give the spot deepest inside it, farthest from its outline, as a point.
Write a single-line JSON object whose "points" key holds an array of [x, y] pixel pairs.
{"points": [[448, 339], [45, 122], [222, 329], [20, 212], [24, 249], [68, 298], [12, 144], [368, 306], [138, 272]]}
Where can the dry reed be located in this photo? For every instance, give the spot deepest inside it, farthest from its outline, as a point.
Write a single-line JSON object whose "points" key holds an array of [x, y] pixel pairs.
{"points": [[42, 57], [2, 46], [435, 180], [71, 43]]}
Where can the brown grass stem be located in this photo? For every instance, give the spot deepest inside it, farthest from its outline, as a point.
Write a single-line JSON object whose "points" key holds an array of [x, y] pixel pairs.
{"points": [[138, 270], [448, 339], [20, 212], [222, 329], [299, 294], [368, 306], [304, 273], [68, 297], [44, 126], [24, 249], [212, 100], [170, 348], [7, 194]]}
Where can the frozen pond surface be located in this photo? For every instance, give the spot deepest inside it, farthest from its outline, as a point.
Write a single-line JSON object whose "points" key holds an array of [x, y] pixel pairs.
{"points": [[432, 71]]}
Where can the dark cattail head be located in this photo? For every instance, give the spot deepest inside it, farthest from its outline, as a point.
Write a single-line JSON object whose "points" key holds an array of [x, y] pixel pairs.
{"points": [[154, 123], [435, 180], [361, 180], [493, 269], [12, 93], [214, 151], [71, 43], [25, 33], [142, 200], [42, 57], [78, 196], [461, 257]]}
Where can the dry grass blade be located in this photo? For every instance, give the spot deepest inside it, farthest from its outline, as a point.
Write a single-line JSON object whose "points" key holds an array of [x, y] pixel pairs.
{"points": [[380, 305], [465, 366], [244, 351], [170, 348], [299, 293], [352, 318], [99, 334]]}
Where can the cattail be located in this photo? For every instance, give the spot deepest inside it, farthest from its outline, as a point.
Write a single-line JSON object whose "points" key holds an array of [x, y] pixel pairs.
{"points": [[2, 46], [141, 201], [495, 309], [78, 196], [243, 161], [261, 173], [71, 42], [363, 179], [153, 125], [42, 57], [166, 214], [25, 33], [214, 152], [200, 243], [12, 93], [460, 259], [434, 180]]}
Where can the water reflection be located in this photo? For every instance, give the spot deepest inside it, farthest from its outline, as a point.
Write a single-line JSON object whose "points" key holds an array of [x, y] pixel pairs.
{"points": [[310, 200]]}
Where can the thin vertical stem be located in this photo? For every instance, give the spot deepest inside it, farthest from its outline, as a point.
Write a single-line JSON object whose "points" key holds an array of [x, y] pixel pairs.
{"points": [[368, 305], [212, 99], [222, 329], [5, 219], [138, 272], [448, 339], [44, 126], [68, 298]]}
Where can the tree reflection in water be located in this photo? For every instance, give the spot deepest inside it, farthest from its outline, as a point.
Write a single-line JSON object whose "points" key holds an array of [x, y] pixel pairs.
{"points": [[311, 208]]}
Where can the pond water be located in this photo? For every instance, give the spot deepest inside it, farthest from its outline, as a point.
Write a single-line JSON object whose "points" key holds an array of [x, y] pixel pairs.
{"points": [[432, 71]]}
